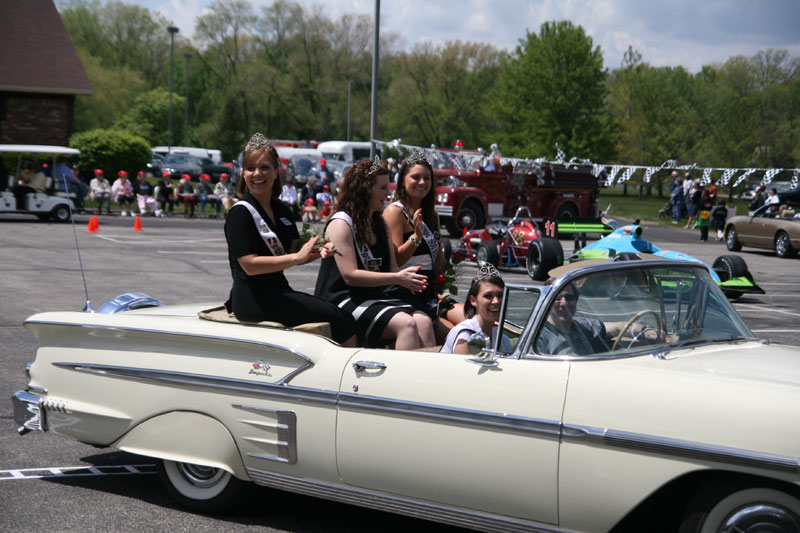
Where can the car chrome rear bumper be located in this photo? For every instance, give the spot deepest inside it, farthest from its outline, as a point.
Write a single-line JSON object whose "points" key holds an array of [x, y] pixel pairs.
{"points": [[28, 413]]}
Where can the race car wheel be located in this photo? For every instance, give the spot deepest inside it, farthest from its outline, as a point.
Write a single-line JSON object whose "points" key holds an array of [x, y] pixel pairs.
{"points": [[729, 266], [60, 213], [447, 249], [487, 253], [200, 488], [742, 510], [543, 255], [470, 215], [783, 246], [732, 240]]}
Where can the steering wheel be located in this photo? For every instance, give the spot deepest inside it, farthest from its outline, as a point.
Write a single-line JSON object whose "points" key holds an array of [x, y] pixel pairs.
{"points": [[659, 328]]}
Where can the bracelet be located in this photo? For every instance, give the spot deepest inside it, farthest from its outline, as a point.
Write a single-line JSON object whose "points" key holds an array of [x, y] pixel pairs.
{"points": [[413, 240]]}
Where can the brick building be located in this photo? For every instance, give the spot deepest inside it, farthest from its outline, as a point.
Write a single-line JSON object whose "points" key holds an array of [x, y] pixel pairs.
{"points": [[40, 74]]}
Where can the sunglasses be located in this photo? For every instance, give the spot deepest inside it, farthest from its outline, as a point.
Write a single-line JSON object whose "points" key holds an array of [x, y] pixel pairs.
{"points": [[568, 296]]}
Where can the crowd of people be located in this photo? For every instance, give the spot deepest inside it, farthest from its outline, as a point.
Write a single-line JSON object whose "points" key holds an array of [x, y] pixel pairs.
{"points": [[702, 208], [129, 196], [379, 266]]}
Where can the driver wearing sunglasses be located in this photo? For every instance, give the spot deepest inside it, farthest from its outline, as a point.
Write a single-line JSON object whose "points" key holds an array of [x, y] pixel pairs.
{"points": [[567, 334]]}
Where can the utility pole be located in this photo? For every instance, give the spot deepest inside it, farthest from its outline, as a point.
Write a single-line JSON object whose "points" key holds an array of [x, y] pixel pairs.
{"points": [[373, 127], [349, 92], [188, 57], [172, 31]]}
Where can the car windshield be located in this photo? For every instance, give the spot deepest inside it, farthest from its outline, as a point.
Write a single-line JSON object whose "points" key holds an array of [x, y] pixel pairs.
{"points": [[181, 159], [304, 165], [629, 310]]}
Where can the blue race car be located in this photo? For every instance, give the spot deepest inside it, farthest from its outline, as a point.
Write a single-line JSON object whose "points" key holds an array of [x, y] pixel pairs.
{"points": [[729, 271]]}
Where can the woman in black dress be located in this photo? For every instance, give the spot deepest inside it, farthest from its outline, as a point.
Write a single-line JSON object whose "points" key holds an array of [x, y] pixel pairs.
{"points": [[357, 280], [263, 241], [414, 231]]}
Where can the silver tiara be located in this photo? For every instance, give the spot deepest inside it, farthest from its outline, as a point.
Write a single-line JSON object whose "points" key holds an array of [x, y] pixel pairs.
{"points": [[376, 165], [418, 155], [485, 272], [256, 141]]}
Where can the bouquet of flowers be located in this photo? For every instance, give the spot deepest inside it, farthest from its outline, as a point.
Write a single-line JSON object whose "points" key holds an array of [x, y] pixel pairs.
{"points": [[309, 232]]}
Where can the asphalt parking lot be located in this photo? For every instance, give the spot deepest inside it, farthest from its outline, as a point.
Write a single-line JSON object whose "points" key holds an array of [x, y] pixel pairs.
{"points": [[181, 260]]}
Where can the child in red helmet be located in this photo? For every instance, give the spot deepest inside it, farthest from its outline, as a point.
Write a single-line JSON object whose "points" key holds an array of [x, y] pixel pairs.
{"points": [[325, 212], [310, 213]]}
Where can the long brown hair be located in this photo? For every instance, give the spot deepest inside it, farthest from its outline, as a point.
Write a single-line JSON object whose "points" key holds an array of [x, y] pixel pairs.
{"points": [[354, 196], [429, 215], [251, 155]]}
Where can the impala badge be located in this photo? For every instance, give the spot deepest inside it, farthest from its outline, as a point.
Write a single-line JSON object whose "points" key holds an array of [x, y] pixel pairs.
{"points": [[260, 368]]}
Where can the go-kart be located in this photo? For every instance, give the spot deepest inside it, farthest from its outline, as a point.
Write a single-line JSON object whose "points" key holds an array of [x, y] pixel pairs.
{"points": [[518, 243], [729, 271]]}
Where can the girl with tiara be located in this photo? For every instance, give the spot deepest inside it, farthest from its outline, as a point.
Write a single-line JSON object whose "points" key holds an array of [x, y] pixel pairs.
{"points": [[263, 241], [358, 279], [414, 231], [482, 309]]}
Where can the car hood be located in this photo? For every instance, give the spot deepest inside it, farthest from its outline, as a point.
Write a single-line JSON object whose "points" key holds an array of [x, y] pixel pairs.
{"points": [[750, 361]]}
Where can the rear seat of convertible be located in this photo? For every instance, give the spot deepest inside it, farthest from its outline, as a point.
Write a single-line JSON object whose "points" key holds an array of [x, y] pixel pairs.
{"points": [[220, 314]]}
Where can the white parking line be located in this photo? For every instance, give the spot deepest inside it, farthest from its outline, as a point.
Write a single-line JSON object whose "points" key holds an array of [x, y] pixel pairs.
{"points": [[188, 252], [746, 307], [149, 240], [74, 471], [774, 330]]}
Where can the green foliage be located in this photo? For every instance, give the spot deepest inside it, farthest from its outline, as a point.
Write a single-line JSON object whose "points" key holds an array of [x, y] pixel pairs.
{"points": [[553, 91], [284, 70], [149, 117], [111, 150]]}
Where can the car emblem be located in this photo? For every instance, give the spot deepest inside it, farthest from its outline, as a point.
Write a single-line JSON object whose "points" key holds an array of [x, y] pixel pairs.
{"points": [[260, 368]]}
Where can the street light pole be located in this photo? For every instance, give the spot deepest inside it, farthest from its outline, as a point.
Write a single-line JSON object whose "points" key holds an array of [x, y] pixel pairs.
{"points": [[172, 31], [373, 127], [349, 91], [186, 103]]}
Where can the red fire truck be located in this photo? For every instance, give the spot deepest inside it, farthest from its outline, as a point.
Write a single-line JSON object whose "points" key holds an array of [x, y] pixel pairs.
{"points": [[469, 198]]}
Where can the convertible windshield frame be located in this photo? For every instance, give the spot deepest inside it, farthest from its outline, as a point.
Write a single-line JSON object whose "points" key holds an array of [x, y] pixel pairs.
{"points": [[525, 347]]}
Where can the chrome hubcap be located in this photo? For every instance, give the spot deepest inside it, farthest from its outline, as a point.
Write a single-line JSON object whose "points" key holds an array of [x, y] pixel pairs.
{"points": [[762, 518], [466, 219], [200, 476], [781, 245], [480, 258]]}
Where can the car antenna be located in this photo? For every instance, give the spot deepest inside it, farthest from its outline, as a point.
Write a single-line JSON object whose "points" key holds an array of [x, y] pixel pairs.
{"points": [[88, 307]]}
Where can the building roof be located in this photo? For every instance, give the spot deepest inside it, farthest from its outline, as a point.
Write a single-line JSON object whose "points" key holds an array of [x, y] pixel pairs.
{"points": [[36, 53]]}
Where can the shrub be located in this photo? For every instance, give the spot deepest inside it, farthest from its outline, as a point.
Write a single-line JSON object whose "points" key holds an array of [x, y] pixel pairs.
{"points": [[111, 150]]}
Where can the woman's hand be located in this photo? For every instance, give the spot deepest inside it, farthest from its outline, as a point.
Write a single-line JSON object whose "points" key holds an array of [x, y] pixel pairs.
{"points": [[412, 281], [306, 253], [327, 250], [418, 228]]}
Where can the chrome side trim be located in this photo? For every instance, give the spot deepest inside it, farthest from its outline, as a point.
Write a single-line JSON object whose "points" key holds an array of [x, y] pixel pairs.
{"points": [[682, 448], [287, 433], [308, 362], [269, 390], [399, 504], [37, 390], [430, 412]]}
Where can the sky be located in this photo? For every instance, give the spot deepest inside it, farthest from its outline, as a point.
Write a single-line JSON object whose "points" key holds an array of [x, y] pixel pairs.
{"points": [[689, 33]]}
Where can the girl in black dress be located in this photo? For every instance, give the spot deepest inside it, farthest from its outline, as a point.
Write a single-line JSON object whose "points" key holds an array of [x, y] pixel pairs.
{"points": [[263, 241], [414, 231], [357, 280]]}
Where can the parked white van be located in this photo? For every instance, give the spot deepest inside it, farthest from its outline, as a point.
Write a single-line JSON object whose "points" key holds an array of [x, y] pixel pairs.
{"points": [[196, 152], [348, 151]]}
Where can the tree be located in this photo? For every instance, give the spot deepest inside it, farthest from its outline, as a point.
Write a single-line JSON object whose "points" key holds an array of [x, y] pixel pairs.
{"points": [[553, 91], [442, 93], [149, 117]]}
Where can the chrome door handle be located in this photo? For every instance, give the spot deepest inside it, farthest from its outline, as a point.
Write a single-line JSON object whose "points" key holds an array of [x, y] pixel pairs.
{"points": [[360, 366]]}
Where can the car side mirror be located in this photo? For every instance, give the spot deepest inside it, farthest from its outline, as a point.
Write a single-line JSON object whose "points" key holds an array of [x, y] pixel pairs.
{"points": [[477, 345]]}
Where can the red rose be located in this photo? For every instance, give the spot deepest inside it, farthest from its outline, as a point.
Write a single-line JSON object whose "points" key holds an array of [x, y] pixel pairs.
{"points": [[440, 279]]}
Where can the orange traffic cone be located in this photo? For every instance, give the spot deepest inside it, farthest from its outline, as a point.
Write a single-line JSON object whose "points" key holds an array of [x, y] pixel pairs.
{"points": [[137, 224], [92, 227]]}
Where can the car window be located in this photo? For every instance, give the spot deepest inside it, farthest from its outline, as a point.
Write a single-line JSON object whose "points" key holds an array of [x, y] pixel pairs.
{"points": [[632, 310], [518, 304]]}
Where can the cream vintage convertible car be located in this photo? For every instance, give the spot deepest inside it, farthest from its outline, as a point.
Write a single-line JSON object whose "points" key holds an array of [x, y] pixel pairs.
{"points": [[682, 420]]}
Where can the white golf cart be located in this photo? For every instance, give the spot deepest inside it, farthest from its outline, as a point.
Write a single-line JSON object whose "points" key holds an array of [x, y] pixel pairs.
{"points": [[53, 204]]}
